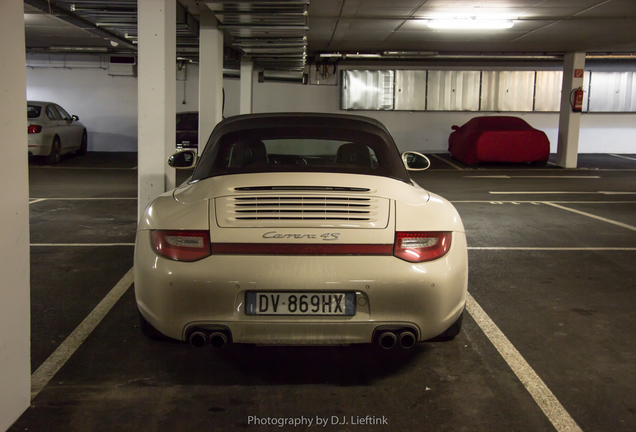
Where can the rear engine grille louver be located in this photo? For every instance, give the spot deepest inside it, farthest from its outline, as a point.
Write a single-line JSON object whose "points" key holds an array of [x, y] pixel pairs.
{"points": [[301, 211], [302, 208]]}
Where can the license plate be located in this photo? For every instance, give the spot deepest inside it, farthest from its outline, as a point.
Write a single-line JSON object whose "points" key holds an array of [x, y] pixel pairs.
{"points": [[300, 303]]}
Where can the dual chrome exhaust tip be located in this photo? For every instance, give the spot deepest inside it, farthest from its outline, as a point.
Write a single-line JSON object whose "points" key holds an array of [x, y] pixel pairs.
{"points": [[389, 339], [200, 338]]}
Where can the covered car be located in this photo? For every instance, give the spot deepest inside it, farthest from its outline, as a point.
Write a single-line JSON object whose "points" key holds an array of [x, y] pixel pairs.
{"points": [[300, 229], [498, 139], [53, 132]]}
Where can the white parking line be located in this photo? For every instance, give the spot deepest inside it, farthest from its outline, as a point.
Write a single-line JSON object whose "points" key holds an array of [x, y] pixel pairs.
{"points": [[81, 199], [521, 248], [79, 244], [60, 356], [82, 168], [448, 162], [535, 177], [545, 202], [489, 177], [633, 228], [549, 404], [624, 157], [561, 192]]}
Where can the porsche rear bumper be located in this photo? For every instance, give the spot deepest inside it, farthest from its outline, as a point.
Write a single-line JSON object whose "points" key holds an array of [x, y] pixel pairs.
{"points": [[176, 297]]}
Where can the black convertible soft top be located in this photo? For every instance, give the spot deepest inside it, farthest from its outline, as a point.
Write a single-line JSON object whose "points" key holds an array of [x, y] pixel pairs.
{"points": [[300, 126]]}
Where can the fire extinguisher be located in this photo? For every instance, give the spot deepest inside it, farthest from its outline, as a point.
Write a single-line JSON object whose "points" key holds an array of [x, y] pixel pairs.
{"points": [[576, 99]]}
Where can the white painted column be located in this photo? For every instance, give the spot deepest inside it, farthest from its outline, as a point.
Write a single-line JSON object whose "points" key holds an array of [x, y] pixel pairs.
{"points": [[210, 75], [157, 97], [15, 310], [247, 79], [570, 122]]}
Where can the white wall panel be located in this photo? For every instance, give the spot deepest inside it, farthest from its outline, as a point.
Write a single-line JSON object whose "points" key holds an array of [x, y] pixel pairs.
{"points": [[613, 92], [547, 93], [452, 90], [507, 90], [410, 90], [368, 89]]}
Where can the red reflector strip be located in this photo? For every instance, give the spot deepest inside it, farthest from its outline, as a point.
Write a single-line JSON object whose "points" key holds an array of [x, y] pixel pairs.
{"points": [[300, 249]]}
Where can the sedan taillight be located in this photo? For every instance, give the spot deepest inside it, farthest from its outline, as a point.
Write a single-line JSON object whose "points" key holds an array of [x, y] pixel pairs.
{"points": [[421, 246], [34, 129], [181, 245]]}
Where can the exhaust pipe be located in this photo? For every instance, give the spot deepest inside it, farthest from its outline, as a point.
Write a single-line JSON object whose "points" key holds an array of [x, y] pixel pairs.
{"points": [[407, 339], [198, 339], [218, 340], [387, 340]]}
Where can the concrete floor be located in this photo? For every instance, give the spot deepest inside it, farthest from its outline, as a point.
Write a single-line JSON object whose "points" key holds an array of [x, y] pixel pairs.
{"points": [[554, 271]]}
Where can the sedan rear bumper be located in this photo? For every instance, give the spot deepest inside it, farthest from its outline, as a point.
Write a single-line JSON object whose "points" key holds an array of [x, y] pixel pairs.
{"points": [[176, 297]]}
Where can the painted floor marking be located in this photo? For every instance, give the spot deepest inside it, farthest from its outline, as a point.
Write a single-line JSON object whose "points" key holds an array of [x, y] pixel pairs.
{"points": [[79, 244], [448, 162], [555, 248], [624, 157], [545, 202], [620, 224], [489, 177], [560, 192], [81, 199], [549, 404], [84, 168], [60, 356], [534, 177]]}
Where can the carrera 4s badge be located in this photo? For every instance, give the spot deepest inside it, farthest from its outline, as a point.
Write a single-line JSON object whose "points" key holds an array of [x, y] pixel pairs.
{"points": [[324, 236]]}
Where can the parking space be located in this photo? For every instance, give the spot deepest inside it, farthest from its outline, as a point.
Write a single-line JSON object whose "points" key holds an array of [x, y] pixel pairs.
{"points": [[559, 285]]}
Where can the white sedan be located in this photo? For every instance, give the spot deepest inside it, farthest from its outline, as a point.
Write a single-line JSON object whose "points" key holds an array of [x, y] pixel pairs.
{"points": [[53, 132], [301, 229]]}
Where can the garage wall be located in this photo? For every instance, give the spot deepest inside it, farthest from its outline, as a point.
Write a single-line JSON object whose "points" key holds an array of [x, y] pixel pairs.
{"points": [[429, 131], [107, 105]]}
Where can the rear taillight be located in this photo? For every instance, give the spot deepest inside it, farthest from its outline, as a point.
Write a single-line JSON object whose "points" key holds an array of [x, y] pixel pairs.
{"points": [[34, 129], [181, 245], [421, 246]]}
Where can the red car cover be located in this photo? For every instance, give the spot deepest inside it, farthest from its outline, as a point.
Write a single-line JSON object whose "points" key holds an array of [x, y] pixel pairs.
{"points": [[498, 139]]}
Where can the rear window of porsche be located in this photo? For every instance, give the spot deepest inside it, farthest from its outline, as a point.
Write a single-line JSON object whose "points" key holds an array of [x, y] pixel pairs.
{"points": [[299, 150]]}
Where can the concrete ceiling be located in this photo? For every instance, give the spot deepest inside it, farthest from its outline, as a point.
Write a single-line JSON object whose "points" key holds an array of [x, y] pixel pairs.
{"points": [[542, 27]]}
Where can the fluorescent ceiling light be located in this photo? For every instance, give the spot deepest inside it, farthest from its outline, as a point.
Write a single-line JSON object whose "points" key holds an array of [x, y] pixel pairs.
{"points": [[469, 24]]}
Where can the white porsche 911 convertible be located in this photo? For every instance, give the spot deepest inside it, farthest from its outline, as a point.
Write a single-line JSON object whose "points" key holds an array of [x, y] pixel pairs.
{"points": [[301, 229]]}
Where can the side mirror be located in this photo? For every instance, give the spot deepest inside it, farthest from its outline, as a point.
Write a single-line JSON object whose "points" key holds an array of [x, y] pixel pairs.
{"points": [[415, 161], [75, 118], [455, 127], [185, 159]]}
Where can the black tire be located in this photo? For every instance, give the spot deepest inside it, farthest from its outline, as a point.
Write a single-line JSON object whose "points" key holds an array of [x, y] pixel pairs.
{"points": [[56, 152], [84, 145], [452, 331], [539, 164], [149, 331]]}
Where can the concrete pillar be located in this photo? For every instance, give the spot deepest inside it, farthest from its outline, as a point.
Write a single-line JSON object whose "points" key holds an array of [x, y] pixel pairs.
{"points": [[210, 75], [157, 48], [247, 78], [570, 122], [15, 312]]}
